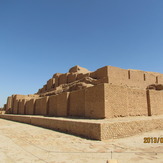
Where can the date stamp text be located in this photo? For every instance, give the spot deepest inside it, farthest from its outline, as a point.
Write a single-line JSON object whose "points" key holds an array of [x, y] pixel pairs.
{"points": [[153, 139]]}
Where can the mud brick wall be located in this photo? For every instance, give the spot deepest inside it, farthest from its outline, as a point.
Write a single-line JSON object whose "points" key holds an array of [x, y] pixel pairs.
{"points": [[58, 105], [15, 104], [123, 101], [50, 83], [160, 79], [56, 81], [108, 74], [77, 103], [149, 78], [94, 102], [131, 127], [100, 101], [89, 130], [137, 102], [100, 73], [141, 79], [109, 101], [9, 102], [115, 101], [52, 106], [71, 77], [56, 77], [136, 78], [30, 106], [15, 107], [41, 106], [62, 104], [155, 102], [117, 75], [44, 88], [19, 102], [82, 75], [99, 130], [63, 79], [131, 78], [123, 94], [18, 118], [21, 109]]}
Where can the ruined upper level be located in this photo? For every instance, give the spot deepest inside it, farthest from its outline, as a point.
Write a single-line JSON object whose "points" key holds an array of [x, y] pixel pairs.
{"points": [[79, 78]]}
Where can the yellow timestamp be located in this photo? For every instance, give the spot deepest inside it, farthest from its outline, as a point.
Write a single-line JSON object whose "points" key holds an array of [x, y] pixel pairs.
{"points": [[153, 139]]}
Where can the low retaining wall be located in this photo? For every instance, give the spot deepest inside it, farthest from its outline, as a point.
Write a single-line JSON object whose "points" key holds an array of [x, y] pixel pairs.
{"points": [[84, 129], [120, 129], [80, 128], [18, 118], [93, 129]]}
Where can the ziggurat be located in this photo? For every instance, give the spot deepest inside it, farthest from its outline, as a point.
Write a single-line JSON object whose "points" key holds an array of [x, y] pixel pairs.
{"points": [[108, 103]]}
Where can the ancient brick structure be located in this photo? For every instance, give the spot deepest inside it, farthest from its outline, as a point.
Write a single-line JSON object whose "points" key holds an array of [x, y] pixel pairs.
{"points": [[105, 93], [109, 92]]}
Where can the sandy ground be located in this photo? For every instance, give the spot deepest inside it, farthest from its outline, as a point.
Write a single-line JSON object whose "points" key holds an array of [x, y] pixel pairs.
{"points": [[23, 143]]}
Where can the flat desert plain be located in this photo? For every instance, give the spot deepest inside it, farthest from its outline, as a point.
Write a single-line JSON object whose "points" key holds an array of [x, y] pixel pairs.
{"points": [[23, 143]]}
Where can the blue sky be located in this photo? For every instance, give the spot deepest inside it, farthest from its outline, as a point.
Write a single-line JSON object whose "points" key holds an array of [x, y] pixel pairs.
{"points": [[41, 37]]}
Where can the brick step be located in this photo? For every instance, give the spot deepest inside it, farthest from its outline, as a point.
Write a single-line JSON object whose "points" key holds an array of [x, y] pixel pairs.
{"points": [[101, 129]]}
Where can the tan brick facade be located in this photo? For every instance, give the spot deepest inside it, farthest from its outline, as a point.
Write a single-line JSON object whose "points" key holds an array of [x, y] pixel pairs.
{"points": [[111, 92]]}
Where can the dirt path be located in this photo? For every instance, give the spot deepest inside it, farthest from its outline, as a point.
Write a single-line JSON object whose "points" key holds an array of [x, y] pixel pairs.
{"points": [[22, 143]]}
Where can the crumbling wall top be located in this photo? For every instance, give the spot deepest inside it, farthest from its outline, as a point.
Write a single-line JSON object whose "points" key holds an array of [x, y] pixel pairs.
{"points": [[78, 69]]}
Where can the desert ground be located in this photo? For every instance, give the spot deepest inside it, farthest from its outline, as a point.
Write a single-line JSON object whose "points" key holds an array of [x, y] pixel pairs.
{"points": [[23, 143]]}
